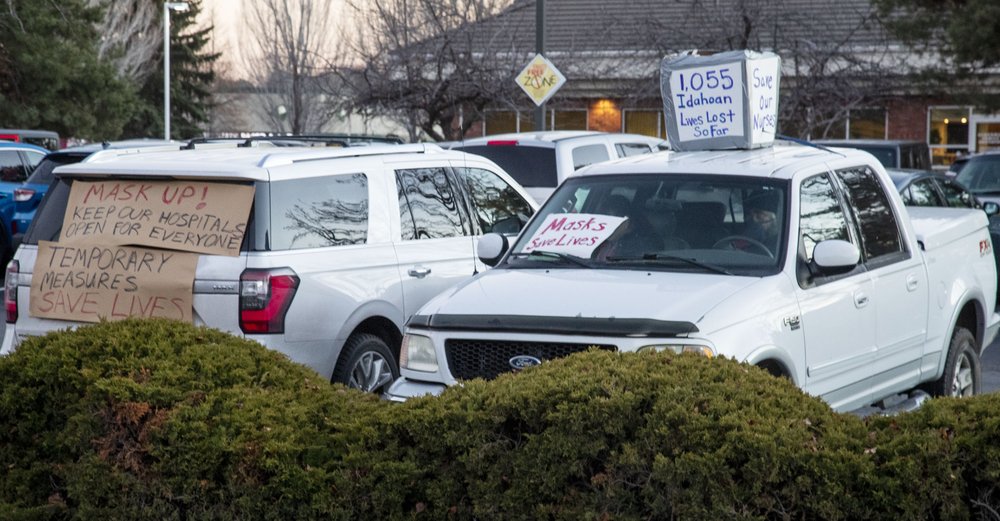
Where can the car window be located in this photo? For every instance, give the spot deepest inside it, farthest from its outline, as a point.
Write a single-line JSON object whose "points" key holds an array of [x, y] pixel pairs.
{"points": [[33, 159], [632, 149], [956, 195], [588, 155], [530, 166], [922, 193], [428, 205], [880, 238], [42, 174], [11, 168], [316, 212], [981, 174], [821, 216], [498, 207]]}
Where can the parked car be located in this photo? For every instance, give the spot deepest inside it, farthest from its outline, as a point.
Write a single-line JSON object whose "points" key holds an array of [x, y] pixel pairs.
{"points": [[46, 139], [956, 166], [539, 161], [342, 246], [798, 260], [929, 188], [892, 153], [981, 174], [16, 161], [29, 194]]}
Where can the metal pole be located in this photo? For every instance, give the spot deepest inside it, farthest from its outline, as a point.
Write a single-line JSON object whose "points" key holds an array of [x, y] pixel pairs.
{"points": [[540, 49], [166, 70]]}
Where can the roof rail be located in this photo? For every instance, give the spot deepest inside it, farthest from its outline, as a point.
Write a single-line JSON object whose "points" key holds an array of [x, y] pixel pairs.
{"points": [[287, 158], [315, 140]]}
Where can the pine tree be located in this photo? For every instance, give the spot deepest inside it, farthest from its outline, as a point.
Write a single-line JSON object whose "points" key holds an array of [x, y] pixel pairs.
{"points": [[191, 76]]}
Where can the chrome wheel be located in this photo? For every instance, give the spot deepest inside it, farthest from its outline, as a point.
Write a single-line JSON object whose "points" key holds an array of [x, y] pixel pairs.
{"points": [[370, 373], [964, 382]]}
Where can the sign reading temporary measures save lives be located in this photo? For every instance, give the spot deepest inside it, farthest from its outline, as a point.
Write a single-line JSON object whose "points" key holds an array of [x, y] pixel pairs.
{"points": [[540, 79], [720, 101], [88, 283], [573, 233], [180, 215]]}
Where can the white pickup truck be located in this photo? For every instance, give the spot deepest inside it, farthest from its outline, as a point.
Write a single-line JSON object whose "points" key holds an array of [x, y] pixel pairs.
{"points": [[797, 259]]}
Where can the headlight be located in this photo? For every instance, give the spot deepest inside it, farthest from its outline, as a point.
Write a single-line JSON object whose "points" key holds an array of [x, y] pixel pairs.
{"points": [[417, 354], [680, 348]]}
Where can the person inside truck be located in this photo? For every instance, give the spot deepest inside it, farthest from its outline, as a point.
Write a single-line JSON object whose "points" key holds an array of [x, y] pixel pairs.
{"points": [[762, 226]]}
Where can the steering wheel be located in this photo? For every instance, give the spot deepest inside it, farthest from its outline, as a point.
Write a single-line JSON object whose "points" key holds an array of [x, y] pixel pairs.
{"points": [[755, 246]]}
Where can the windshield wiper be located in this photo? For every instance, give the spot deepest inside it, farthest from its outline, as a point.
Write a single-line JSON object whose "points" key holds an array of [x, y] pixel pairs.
{"points": [[648, 257], [554, 255]]}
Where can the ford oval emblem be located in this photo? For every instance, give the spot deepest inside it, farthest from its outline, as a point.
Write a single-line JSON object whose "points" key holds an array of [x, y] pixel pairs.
{"points": [[523, 361]]}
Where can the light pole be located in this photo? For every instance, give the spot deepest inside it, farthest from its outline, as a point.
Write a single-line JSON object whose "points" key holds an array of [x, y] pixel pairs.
{"points": [[167, 7]]}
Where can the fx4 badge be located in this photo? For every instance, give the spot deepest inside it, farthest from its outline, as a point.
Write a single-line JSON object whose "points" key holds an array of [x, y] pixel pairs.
{"points": [[791, 322], [985, 247]]}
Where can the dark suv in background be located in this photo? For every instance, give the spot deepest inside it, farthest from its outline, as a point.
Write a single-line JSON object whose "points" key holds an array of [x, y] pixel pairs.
{"points": [[891, 153]]}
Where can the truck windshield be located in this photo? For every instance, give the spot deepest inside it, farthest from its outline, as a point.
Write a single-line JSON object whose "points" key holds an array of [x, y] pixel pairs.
{"points": [[731, 225]]}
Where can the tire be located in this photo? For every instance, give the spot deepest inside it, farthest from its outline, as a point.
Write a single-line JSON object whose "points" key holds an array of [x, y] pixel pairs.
{"points": [[962, 371], [366, 363]]}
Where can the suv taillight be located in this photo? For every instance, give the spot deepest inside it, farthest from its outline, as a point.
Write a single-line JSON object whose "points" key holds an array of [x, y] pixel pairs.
{"points": [[23, 194], [10, 290], [265, 295]]}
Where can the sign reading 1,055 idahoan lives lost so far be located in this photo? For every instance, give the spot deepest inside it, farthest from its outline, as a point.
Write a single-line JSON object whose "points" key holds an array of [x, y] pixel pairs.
{"points": [[190, 216], [90, 283], [576, 234], [721, 101]]}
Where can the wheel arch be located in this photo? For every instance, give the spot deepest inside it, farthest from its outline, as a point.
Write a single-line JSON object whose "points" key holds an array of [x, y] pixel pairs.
{"points": [[776, 361]]}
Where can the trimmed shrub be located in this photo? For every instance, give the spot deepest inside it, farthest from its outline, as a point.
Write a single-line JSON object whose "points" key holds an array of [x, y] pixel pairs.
{"points": [[163, 420]]}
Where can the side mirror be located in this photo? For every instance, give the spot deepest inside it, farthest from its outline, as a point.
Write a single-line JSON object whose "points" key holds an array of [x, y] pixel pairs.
{"points": [[991, 208], [491, 248], [836, 256]]}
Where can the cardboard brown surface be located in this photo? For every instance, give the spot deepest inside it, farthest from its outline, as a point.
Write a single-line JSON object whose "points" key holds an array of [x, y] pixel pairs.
{"points": [[178, 215], [87, 283]]}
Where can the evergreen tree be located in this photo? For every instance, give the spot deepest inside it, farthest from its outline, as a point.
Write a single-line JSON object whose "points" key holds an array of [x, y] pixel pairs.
{"points": [[50, 75], [191, 76]]}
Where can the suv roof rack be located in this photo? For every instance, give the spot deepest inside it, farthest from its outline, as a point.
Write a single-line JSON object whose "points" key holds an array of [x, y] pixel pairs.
{"points": [[273, 160], [316, 140]]}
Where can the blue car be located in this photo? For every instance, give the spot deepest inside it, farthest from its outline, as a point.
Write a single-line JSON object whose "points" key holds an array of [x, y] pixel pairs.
{"points": [[17, 160]]}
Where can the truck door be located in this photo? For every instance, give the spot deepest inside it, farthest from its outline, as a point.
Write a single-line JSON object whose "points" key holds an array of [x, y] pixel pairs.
{"points": [[837, 313], [900, 283]]}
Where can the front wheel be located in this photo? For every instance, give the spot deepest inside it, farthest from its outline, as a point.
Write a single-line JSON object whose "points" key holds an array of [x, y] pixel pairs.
{"points": [[367, 364], [962, 372]]}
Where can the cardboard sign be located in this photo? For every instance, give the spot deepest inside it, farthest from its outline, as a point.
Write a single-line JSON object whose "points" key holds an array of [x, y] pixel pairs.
{"points": [[179, 215], [721, 101], [88, 283], [573, 233]]}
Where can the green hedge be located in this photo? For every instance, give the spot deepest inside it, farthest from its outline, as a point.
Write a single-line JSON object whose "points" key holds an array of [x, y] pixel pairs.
{"points": [[162, 420]]}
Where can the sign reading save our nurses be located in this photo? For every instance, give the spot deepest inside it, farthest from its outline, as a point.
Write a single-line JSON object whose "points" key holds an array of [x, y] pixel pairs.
{"points": [[573, 233], [540, 79]]}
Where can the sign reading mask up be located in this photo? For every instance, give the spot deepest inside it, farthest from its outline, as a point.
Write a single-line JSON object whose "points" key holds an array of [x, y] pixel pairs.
{"points": [[130, 248]]}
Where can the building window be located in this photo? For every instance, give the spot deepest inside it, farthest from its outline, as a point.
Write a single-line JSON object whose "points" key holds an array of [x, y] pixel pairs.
{"points": [[568, 119], [645, 122], [867, 123], [947, 133]]}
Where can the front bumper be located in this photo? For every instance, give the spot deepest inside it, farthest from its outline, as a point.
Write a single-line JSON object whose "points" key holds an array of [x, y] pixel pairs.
{"points": [[403, 389]]}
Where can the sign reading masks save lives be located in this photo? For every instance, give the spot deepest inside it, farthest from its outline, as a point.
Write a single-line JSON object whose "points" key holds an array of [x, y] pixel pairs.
{"points": [[573, 233], [95, 271]]}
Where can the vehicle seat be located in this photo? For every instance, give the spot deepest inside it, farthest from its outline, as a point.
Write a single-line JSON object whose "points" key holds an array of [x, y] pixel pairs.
{"points": [[701, 223]]}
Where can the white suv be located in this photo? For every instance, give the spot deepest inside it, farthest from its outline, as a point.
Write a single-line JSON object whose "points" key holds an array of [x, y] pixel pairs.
{"points": [[539, 161], [341, 246]]}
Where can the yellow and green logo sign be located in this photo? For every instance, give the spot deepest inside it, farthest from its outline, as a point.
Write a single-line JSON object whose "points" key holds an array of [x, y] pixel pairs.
{"points": [[540, 79]]}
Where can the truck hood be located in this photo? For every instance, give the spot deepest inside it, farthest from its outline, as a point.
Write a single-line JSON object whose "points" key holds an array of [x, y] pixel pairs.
{"points": [[583, 294]]}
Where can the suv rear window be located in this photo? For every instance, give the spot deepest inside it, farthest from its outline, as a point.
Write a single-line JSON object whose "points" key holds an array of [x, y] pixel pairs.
{"points": [[42, 174], [529, 166]]}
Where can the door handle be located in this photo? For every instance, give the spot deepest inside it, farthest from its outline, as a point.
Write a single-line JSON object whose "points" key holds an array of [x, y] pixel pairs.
{"points": [[860, 299], [419, 272], [912, 282]]}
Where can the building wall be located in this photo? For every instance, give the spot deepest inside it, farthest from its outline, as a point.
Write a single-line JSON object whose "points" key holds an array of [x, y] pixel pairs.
{"points": [[908, 119]]}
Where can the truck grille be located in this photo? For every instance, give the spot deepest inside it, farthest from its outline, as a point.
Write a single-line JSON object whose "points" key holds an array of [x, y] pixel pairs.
{"points": [[487, 359]]}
